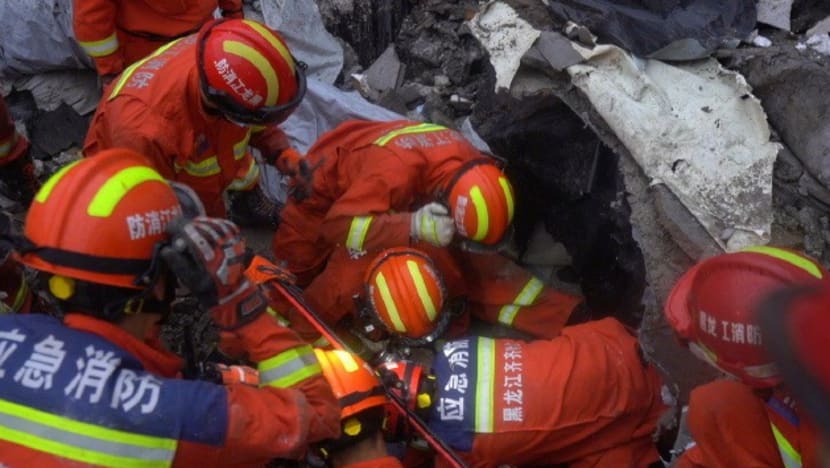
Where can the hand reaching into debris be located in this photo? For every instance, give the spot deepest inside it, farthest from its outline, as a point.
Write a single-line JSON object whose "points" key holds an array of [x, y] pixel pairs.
{"points": [[291, 163], [432, 223], [208, 256]]}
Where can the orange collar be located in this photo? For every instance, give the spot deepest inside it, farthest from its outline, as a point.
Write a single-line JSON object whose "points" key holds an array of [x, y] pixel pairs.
{"points": [[149, 352]]}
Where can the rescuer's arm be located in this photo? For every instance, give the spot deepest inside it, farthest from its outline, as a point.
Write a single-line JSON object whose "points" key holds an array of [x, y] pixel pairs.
{"points": [[94, 25], [374, 212], [294, 405]]}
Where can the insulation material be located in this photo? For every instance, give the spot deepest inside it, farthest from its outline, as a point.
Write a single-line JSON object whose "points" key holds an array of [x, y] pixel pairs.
{"points": [[302, 27], [505, 36], [696, 128], [775, 13]]}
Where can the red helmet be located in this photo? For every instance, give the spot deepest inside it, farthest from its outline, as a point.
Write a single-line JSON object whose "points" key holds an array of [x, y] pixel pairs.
{"points": [[248, 73], [406, 293], [481, 200], [357, 389], [414, 386], [712, 307], [796, 326], [99, 220]]}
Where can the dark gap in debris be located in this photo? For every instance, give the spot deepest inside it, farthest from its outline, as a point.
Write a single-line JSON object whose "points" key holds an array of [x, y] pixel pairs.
{"points": [[568, 180]]}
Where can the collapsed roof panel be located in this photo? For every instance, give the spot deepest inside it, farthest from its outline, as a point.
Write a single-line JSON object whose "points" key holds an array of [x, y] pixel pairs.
{"points": [[695, 127]]}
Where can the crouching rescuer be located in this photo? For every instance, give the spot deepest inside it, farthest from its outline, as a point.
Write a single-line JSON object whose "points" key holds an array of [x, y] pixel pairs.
{"points": [[96, 387]]}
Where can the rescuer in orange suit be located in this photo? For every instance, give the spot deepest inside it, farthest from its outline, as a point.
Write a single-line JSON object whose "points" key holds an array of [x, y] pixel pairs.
{"points": [[586, 398], [797, 339], [751, 420], [194, 105], [16, 167], [376, 185], [96, 387], [117, 33]]}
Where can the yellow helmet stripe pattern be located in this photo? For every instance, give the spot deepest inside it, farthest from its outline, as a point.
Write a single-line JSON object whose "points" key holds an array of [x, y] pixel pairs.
{"points": [[408, 130], [391, 307], [421, 287], [789, 257], [260, 63], [272, 39], [508, 196], [46, 190], [347, 360], [118, 186], [482, 216], [485, 385], [84, 442]]}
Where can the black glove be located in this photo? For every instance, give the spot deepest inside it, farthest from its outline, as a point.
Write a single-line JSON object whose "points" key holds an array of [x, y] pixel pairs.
{"points": [[207, 255]]}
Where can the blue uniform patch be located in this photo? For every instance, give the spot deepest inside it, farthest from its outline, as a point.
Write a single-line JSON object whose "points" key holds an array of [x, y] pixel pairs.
{"points": [[78, 375], [452, 415]]}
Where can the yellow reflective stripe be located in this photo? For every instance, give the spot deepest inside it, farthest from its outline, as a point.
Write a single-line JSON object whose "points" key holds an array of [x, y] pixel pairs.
{"points": [[280, 319], [527, 296], [260, 63], [391, 308], [85, 442], [204, 168], [46, 189], [789, 257], [272, 39], [100, 48], [20, 297], [127, 73], [482, 217], [485, 384], [240, 148], [250, 178], [289, 367], [6, 146], [420, 128], [358, 230], [421, 287], [117, 187], [508, 195], [789, 455]]}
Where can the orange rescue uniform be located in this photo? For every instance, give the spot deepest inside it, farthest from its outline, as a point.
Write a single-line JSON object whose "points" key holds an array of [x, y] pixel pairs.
{"points": [[368, 179], [732, 426], [586, 398], [116, 33], [155, 108], [188, 423]]}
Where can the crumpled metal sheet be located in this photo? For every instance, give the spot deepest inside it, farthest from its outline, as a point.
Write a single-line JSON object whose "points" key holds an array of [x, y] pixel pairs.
{"points": [[695, 127], [36, 36], [505, 36]]}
